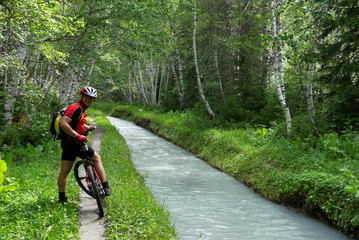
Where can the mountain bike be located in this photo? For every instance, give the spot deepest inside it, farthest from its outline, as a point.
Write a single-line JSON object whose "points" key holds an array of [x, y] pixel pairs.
{"points": [[87, 177]]}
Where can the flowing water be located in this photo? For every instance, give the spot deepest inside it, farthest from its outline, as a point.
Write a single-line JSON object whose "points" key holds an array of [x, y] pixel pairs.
{"points": [[208, 204]]}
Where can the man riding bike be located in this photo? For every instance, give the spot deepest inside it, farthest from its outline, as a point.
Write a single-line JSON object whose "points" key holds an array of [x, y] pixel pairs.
{"points": [[74, 125]]}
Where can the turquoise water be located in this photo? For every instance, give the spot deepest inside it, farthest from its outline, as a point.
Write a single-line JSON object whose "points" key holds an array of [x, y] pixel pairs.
{"points": [[208, 204]]}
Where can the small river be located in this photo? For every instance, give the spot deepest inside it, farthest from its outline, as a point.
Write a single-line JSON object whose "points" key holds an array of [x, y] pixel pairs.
{"points": [[208, 204]]}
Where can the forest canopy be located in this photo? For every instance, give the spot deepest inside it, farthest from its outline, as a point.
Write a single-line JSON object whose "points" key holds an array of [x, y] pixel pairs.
{"points": [[287, 64]]}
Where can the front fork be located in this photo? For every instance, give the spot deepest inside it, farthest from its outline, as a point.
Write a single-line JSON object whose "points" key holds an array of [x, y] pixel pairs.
{"points": [[87, 163]]}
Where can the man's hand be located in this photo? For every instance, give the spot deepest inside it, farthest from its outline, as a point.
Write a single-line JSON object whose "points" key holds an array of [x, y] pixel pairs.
{"points": [[81, 138]]}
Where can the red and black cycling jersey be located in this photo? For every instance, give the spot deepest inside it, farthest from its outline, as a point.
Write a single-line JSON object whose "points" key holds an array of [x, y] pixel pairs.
{"points": [[77, 112]]}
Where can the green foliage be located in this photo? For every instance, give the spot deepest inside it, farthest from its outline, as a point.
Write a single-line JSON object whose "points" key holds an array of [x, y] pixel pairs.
{"points": [[3, 168], [32, 211], [34, 150]]}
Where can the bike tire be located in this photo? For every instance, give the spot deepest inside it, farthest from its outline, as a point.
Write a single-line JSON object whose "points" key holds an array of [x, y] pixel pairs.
{"points": [[96, 189], [82, 179]]}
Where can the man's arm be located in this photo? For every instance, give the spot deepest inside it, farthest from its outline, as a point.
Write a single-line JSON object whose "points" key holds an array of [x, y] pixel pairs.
{"points": [[65, 125]]}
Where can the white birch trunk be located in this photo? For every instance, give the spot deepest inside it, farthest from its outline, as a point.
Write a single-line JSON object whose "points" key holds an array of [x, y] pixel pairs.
{"points": [[181, 83], [309, 94], [142, 87], [160, 84], [218, 74], [72, 86], [90, 72], [63, 86], [157, 71], [130, 87], [175, 77], [278, 64], [209, 110], [152, 79], [17, 78], [36, 67]]}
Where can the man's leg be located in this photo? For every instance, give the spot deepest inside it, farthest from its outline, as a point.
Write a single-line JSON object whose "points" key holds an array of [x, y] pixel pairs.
{"points": [[66, 167], [96, 159]]}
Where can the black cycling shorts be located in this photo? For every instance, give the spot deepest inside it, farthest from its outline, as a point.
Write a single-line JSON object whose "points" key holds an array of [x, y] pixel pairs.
{"points": [[71, 150]]}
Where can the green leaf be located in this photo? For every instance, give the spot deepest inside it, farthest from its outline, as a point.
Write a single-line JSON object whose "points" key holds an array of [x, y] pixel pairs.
{"points": [[355, 220], [31, 148], [3, 166], [351, 189], [8, 159], [10, 187]]}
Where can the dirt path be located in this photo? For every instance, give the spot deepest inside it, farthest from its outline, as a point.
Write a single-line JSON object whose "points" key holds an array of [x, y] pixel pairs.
{"points": [[92, 226]]}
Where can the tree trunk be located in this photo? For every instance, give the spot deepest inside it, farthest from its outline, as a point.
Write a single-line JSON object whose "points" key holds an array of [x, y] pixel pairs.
{"points": [[63, 86], [278, 64], [160, 84], [309, 94], [73, 85], [90, 72], [209, 110], [181, 84], [17, 78], [48, 74], [218, 74], [36, 67], [129, 87], [142, 87], [152, 79], [175, 77]]}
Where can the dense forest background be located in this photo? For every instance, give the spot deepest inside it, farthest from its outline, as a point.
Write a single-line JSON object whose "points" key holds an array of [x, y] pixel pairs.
{"points": [[290, 65]]}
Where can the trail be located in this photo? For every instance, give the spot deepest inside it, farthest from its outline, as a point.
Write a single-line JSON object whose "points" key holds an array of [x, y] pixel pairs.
{"points": [[92, 226]]}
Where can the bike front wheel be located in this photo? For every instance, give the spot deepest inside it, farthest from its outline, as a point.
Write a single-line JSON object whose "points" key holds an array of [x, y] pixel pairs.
{"points": [[82, 178], [89, 181], [97, 188]]}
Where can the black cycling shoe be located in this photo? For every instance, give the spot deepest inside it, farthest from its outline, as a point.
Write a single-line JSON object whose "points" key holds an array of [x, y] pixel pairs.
{"points": [[64, 201], [107, 191]]}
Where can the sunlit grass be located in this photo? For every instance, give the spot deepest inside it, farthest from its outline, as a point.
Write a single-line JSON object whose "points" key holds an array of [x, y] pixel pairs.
{"points": [[32, 210]]}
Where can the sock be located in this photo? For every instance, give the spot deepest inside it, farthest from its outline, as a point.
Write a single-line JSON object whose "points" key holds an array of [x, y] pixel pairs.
{"points": [[105, 185], [62, 196]]}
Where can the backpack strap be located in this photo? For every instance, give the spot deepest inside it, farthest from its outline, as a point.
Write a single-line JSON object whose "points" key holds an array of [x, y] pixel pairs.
{"points": [[82, 111]]}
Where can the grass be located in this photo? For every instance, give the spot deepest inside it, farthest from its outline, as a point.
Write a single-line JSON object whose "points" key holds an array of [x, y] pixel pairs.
{"points": [[306, 174], [32, 210]]}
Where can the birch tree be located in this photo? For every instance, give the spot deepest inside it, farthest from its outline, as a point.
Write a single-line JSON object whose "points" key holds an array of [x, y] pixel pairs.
{"points": [[16, 79], [276, 6], [198, 76]]}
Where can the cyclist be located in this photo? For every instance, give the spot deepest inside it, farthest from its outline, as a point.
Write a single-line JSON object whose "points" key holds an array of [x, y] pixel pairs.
{"points": [[74, 125]]}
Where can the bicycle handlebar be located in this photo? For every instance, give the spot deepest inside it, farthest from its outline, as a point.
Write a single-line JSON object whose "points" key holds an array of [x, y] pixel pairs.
{"points": [[88, 131]]}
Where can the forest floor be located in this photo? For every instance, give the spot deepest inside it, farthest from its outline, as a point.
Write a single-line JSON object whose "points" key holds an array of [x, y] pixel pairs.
{"points": [[92, 226]]}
